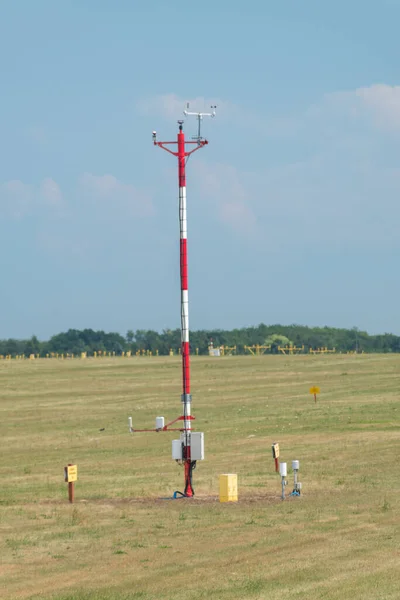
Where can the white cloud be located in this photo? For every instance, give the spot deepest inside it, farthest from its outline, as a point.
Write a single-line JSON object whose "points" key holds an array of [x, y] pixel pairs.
{"points": [[19, 199], [223, 187], [384, 103], [377, 105], [342, 190], [111, 191], [50, 192], [103, 192], [16, 198], [317, 203]]}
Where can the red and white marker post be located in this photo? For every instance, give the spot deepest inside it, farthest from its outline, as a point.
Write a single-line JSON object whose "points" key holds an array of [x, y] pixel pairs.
{"points": [[182, 153]]}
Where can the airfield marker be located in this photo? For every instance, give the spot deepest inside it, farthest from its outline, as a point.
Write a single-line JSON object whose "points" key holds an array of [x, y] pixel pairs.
{"points": [[315, 390], [275, 455], [70, 476]]}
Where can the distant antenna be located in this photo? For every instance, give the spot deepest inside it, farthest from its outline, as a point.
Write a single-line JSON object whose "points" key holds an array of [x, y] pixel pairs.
{"points": [[199, 116]]}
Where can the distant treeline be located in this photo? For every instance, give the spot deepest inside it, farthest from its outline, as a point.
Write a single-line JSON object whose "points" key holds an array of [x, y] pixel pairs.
{"points": [[87, 340]]}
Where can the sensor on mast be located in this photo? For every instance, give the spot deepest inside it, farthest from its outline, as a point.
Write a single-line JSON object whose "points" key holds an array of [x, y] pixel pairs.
{"points": [[199, 116]]}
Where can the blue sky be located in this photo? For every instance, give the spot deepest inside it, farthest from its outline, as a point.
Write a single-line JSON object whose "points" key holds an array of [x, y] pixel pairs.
{"points": [[293, 208]]}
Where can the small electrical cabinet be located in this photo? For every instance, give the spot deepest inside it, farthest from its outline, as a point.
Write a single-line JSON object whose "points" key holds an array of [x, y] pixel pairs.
{"points": [[177, 449], [196, 445]]}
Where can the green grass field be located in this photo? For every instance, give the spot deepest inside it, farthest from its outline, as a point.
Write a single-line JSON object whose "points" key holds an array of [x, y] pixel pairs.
{"points": [[120, 541]]}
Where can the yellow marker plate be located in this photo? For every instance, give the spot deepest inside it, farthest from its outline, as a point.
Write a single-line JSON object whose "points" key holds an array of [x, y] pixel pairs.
{"points": [[71, 473], [314, 390], [275, 450]]}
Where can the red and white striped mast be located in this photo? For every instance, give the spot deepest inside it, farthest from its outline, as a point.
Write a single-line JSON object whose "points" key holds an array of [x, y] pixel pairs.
{"points": [[190, 447]]}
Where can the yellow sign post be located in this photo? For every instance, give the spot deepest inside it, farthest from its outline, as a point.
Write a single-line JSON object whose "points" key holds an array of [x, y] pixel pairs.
{"points": [[275, 455], [315, 390], [70, 476]]}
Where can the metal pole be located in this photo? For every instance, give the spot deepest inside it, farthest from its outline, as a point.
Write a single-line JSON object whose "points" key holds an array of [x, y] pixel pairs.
{"points": [[182, 154], [71, 489], [185, 351]]}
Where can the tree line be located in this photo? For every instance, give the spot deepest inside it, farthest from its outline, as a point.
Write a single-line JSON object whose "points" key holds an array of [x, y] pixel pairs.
{"points": [[76, 341]]}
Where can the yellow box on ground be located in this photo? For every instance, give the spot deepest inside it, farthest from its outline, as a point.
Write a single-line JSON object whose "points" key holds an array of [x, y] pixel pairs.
{"points": [[228, 491]]}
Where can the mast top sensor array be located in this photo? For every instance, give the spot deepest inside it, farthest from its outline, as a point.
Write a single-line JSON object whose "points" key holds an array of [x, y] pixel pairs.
{"points": [[199, 116]]}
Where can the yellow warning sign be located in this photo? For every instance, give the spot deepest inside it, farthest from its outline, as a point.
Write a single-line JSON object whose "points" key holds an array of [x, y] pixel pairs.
{"points": [[275, 450], [314, 390], [71, 473]]}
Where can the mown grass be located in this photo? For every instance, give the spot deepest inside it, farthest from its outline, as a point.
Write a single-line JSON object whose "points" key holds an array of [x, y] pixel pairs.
{"points": [[339, 540]]}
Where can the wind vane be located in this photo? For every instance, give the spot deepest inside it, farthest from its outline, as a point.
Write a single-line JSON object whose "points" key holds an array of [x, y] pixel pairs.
{"points": [[199, 116]]}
